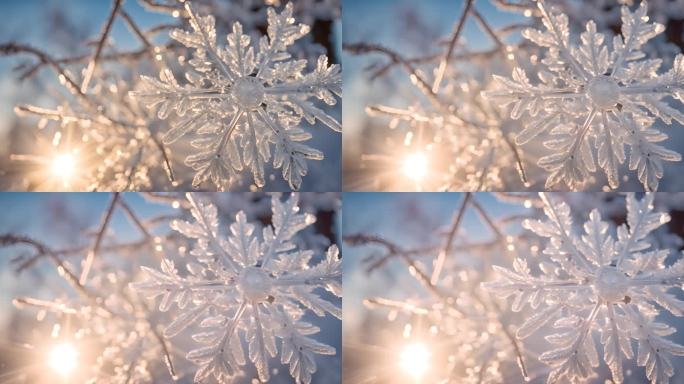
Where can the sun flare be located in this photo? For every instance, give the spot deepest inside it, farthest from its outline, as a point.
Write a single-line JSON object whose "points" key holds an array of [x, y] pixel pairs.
{"points": [[63, 358], [415, 359], [63, 166], [415, 166]]}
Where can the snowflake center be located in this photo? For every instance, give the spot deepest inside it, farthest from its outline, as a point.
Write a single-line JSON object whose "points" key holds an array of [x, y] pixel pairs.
{"points": [[603, 91], [255, 284], [248, 92], [611, 284]]}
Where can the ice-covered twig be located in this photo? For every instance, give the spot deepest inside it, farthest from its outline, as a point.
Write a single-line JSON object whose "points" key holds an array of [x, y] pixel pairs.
{"points": [[88, 263], [450, 48], [448, 241], [100, 45]]}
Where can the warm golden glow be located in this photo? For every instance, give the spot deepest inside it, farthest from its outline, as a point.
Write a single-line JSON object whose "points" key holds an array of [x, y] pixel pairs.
{"points": [[415, 359], [63, 358], [64, 166], [415, 166]]}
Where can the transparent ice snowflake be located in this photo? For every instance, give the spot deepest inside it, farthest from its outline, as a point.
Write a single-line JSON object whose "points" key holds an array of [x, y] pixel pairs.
{"points": [[241, 99], [598, 282], [588, 95], [241, 283]]}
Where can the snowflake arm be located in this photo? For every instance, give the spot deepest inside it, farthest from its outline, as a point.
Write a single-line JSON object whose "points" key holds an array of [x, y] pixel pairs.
{"points": [[617, 290], [251, 286], [654, 350], [299, 350], [254, 96], [223, 355], [575, 355], [604, 102], [635, 32]]}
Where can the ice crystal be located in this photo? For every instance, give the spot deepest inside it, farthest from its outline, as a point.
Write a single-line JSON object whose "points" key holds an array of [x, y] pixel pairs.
{"points": [[594, 281], [240, 100], [260, 286], [594, 102]]}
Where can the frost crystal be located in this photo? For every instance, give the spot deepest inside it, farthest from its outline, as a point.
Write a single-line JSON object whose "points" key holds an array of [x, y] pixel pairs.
{"points": [[241, 99], [594, 102], [241, 283], [597, 282]]}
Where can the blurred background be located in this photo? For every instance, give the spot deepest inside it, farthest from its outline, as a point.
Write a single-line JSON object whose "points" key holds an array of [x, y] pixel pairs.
{"points": [[386, 337], [68, 31], [67, 223], [378, 154]]}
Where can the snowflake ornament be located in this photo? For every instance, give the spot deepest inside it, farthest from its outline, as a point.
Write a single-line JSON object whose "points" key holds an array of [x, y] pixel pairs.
{"points": [[261, 287], [594, 102], [595, 281], [240, 100]]}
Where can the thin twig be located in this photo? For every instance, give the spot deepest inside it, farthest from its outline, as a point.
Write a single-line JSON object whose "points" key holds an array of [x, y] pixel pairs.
{"points": [[167, 163], [131, 171], [100, 45], [416, 79], [393, 250], [484, 25], [448, 242], [134, 219], [488, 220], [135, 29], [397, 305], [484, 171], [162, 7], [468, 56], [98, 239], [414, 269], [518, 159], [422, 277], [514, 342], [364, 48], [43, 304], [24, 264], [118, 57], [517, 7], [452, 44], [11, 49], [62, 269]]}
